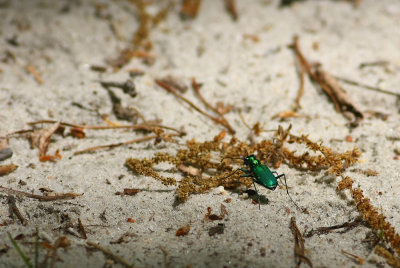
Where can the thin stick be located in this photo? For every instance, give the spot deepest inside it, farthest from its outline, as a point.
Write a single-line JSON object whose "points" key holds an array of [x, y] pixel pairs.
{"points": [[301, 89], [14, 209], [110, 146], [305, 65], [165, 253], [358, 259], [109, 253], [377, 89], [299, 244], [41, 197], [32, 70], [302, 59], [223, 120], [329, 85], [82, 229], [231, 8], [146, 126], [196, 89], [325, 230], [220, 121]]}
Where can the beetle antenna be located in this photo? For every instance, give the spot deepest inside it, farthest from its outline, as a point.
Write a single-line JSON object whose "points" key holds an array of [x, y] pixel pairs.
{"points": [[231, 174], [227, 157]]}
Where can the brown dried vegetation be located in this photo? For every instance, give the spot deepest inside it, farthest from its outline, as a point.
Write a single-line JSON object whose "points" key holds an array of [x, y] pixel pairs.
{"points": [[370, 213], [273, 152], [217, 171]]}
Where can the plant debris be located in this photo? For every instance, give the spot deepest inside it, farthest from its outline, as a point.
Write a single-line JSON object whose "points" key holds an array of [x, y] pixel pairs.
{"points": [[40, 197], [82, 229], [218, 229], [113, 145], [109, 253], [32, 70], [356, 258], [6, 169], [370, 214], [286, 114], [122, 238], [220, 119], [390, 258], [184, 230], [272, 152], [122, 113], [214, 217], [190, 8], [127, 87], [358, 84], [14, 210], [325, 230], [128, 191], [230, 7], [298, 245], [77, 132], [328, 84], [174, 83], [156, 128], [41, 138], [141, 44]]}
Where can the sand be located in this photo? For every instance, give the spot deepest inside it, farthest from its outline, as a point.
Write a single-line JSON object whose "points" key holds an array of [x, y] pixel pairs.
{"points": [[247, 64]]}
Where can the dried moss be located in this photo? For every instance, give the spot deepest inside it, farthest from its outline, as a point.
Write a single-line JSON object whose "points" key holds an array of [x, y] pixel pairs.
{"points": [[370, 214], [199, 155], [273, 152]]}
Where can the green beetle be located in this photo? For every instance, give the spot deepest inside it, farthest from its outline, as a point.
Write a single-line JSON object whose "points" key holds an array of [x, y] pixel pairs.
{"points": [[262, 175]]}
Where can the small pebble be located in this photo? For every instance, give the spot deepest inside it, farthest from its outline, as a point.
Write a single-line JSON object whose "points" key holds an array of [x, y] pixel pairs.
{"points": [[5, 153]]}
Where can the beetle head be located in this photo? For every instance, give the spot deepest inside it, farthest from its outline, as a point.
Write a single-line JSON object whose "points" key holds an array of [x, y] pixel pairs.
{"points": [[251, 161]]}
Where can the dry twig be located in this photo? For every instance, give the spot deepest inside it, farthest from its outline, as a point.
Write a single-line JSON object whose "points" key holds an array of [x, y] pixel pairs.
{"points": [[329, 85], [32, 70], [148, 126], [230, 6], [358, 259], [377, 89], [14, 209], [221, 120], [298, 244], [40, 197], [109, 253], [41, 138], [82, 229], [324, 230], [110, 146]]}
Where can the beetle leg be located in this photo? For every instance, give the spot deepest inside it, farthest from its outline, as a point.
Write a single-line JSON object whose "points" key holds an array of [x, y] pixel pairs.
{"points": [[247, 173], [287, 191], [258, 196]]}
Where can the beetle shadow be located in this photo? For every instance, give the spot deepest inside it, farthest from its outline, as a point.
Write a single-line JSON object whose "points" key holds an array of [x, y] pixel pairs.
{"points": [[253, 196]]}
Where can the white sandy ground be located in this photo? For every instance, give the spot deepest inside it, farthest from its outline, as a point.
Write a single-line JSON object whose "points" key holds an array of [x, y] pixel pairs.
{"points": [[259, 77]]}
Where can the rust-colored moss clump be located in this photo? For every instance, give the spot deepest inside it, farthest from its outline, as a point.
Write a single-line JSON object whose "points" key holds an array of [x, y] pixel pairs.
{"points": [[212, 161], [370, 213]]}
